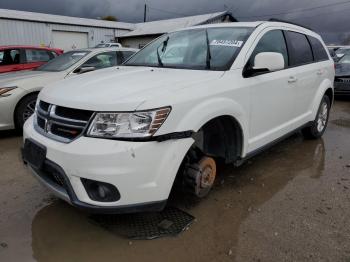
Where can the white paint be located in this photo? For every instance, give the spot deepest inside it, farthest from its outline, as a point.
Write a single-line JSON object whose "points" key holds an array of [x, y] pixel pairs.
{"points": [[69, 40], [266, 107]]}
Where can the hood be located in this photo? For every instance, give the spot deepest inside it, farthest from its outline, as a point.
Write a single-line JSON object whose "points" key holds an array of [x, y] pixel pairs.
{"points": [[122, 88], [29, 79], [342, 70]]}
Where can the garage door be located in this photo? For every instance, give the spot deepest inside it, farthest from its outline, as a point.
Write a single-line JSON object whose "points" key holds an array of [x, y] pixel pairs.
{"points": [[69, 40]]}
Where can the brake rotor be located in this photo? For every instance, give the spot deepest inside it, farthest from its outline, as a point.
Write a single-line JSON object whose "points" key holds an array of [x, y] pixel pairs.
{"points": [[207, 167], [200, 177]]}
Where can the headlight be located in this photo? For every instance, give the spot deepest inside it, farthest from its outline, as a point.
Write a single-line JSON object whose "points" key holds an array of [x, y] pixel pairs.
{"points": [[4, 90], [128, 125]]}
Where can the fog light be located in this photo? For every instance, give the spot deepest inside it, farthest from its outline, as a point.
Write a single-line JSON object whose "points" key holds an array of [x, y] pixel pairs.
{"points": [[100, 191]]}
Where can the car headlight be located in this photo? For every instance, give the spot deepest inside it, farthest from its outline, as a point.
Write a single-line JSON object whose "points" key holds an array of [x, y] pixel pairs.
{"points": [[138, 124], [4, 90]]}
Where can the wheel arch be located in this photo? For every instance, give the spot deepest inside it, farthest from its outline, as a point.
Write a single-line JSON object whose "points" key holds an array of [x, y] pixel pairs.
{"points": [[19, 101], [221, 137], [221, 117], [326, 88]]}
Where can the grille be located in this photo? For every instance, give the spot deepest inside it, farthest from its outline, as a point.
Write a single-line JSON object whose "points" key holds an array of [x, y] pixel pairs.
{"points": [[61, 123], [342, 80]]}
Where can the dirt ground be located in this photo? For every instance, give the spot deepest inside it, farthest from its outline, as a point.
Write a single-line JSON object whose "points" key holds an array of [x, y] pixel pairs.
{"points": [[291, 203]]}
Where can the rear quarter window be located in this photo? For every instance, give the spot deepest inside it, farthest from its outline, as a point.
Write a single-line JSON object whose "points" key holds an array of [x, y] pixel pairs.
{"points": [[318, 50], [300, 52]]}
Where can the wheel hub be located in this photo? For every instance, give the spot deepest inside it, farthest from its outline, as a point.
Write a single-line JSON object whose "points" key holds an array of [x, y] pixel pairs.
{"points": [[200, 177], [322, 117]]}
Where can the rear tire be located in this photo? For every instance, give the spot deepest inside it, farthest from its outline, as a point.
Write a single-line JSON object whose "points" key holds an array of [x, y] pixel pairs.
{"points": [[24, 110], [319, 125]]}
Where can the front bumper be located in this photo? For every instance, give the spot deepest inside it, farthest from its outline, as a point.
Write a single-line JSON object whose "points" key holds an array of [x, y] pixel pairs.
{"points": [[143, 172], [342, 88], [7, 108]]}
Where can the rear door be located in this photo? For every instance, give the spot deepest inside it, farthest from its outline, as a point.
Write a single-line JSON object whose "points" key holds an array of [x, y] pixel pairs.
{"points": [[36, 57], [272, 94], [304, 73], [10, 60]]}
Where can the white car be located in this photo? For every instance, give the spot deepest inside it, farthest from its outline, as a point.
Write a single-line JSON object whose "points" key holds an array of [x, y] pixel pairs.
{"points": [[19, 90], [116, 140]]}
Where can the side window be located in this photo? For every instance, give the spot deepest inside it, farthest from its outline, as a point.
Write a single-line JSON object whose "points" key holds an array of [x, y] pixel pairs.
{"points": [[36, 55], [123, 56], [103, 60], [272, 41], [1, 57], [300, 52], [10, 57], [318, 50]]}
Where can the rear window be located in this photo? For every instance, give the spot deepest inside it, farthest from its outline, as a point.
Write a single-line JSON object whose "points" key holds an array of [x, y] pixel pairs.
{"points": [[318, 50], [300, 52]]}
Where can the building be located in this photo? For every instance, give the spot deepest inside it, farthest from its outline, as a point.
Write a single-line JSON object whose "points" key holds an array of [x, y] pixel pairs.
{"points": [[27, 28], [67, 33], [146, 32]]}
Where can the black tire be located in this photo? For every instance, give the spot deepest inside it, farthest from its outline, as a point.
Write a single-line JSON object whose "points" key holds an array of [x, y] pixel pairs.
{"points": [[25, 108], [319, 125]]}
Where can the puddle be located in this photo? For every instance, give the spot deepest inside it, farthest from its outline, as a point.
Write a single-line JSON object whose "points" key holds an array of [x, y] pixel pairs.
{"points": [[342, 122]]}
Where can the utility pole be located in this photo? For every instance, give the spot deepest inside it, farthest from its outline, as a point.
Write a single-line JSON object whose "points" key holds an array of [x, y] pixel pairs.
{"points": [[145, 13]]}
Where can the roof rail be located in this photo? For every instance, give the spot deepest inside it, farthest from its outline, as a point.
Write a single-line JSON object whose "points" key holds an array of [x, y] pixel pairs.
{"points": [[288, 22]]}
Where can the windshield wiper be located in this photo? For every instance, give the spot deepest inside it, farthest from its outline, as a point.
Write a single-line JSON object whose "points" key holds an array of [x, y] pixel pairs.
{"points": [[164, 46], [208, 51]]}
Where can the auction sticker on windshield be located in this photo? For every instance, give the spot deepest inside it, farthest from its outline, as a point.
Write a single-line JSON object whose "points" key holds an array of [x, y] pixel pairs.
{"points": [[233, 43]]}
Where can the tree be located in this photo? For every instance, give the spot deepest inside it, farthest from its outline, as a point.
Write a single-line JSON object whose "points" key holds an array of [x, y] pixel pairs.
{"points": [[109, 18]]}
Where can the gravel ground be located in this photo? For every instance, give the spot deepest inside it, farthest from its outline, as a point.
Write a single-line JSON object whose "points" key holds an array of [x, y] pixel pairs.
{"points": [[291, 203]]}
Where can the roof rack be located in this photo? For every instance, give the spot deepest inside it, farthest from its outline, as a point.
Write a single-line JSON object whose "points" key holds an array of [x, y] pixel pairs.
{"points": [[288, 22]]}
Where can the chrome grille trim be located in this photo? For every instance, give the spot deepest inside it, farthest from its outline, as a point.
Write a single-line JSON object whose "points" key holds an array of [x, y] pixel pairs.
{"points": [[342, 80], [61, 124]]}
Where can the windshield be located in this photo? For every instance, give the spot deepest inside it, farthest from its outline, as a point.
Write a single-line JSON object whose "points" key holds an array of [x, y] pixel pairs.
{"points": [[345, 59], [101, 45], [63, 62], [343, 51], [202, 49]]}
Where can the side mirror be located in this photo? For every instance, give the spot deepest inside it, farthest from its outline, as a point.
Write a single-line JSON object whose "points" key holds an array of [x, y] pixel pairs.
{"points": [[85, 69], [270, 61]]}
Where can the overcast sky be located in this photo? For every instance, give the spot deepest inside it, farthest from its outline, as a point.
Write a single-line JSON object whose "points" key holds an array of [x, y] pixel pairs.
{"points": [[331, 18]]}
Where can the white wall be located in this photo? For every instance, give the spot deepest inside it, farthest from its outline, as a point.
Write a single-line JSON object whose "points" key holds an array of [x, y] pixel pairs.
{"points": [[15, 32]]}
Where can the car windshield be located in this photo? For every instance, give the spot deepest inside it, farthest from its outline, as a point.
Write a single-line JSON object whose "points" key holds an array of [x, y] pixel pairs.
{"points": [[63, 62], [345, 59], [343, 51], [201, 49], [101, 45]]}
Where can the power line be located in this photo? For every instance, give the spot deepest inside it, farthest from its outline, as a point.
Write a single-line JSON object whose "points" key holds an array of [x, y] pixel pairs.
{"points": [[297, 10]]}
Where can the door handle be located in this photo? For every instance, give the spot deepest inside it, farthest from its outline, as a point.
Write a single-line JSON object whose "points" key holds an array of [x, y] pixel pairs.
{"points": [[292, 79]]}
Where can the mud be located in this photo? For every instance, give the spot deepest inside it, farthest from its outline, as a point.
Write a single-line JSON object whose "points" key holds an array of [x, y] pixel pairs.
{"points": [[291, 203]]}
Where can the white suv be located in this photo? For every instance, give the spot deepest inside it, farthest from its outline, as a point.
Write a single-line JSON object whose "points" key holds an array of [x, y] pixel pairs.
{"points": [[116, 140]]}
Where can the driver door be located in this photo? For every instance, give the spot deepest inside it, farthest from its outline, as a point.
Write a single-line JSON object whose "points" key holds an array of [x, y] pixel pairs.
{"points": [[272, 94]]}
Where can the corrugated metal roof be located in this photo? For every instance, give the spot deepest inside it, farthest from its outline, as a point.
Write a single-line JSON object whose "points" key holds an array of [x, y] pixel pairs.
{"points": [[59, 19], [168, 25]]}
